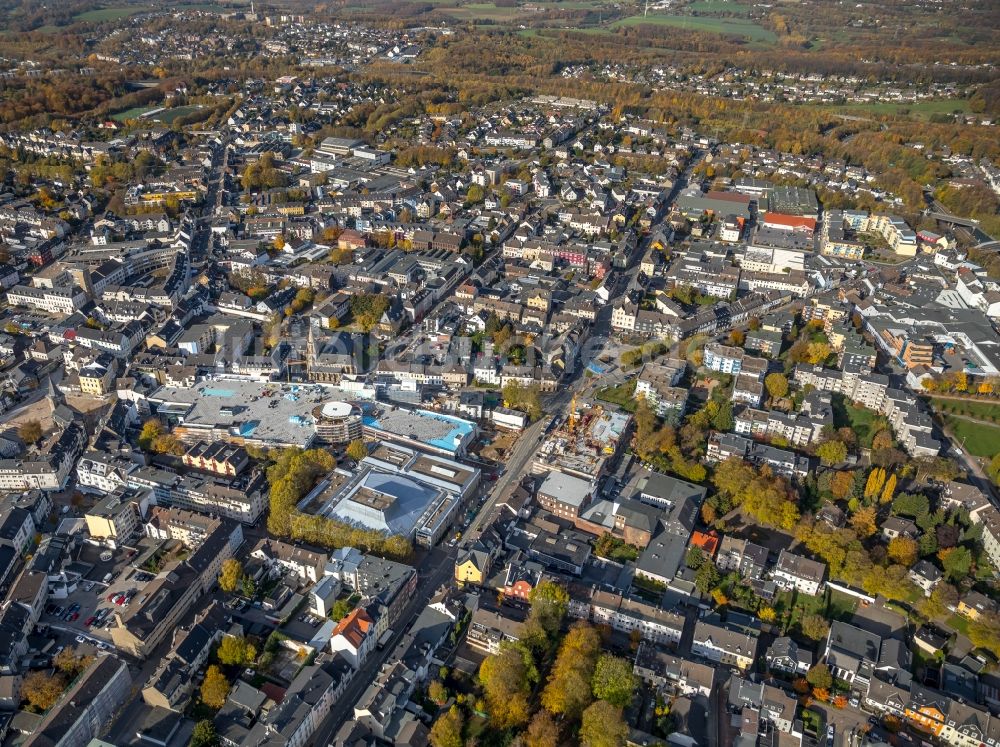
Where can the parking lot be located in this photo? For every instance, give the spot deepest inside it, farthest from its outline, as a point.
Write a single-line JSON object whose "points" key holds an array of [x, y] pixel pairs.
{"points": [[88, 611]]}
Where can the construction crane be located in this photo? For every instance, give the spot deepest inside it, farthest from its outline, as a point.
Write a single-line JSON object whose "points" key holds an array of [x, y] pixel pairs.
{"points": [[571, 425]]}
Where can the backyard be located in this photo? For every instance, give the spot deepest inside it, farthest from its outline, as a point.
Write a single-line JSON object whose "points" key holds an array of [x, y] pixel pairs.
{"points": [[864, 422], [622, 395]]}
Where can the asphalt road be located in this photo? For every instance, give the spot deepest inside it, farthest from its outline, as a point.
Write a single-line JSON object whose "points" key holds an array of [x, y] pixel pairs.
{"points": [[436, 570]]}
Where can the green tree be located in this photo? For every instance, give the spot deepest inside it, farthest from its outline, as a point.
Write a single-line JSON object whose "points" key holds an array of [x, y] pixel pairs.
{"points": [[613, 680], [831, 452], [984, 632], [549, 603], [706, 578], [230, 575], [819, 676], [214, 688], [957, 562], [814, 627], [341, 608], [993, 469], [437, 692], [204, 734], [914, 505], [524, 398], [367, 309], [694, 558], [356, 450], [474, 194], [248, 586], [602, 726], [447, 730]]}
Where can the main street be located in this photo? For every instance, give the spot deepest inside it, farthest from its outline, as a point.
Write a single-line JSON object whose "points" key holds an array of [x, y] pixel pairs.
{"points": [[436, 570]]}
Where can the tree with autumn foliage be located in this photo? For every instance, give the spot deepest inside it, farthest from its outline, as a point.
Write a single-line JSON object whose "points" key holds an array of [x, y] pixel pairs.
{"points": [[903, 550], [865, 522], [506, 679], [569, 689], [841, 484], [889, 490]]}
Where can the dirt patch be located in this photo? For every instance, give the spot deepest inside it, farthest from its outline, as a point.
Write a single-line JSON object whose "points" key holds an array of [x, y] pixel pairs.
{"points": [[501, 445]]}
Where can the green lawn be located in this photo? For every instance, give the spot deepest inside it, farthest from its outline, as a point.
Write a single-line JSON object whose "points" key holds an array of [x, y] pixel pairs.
{"points": [[864, 422], [970, 408], [134, 113], [958, 623], [622, 395], [727, 26], [979, 439], [109, 14], [920, 109], [169, 115], [841, 606], [484, 12]]}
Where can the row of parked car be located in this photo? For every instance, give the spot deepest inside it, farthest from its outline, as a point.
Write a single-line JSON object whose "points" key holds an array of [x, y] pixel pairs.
{"points": [[69, 614], [123, 598]]}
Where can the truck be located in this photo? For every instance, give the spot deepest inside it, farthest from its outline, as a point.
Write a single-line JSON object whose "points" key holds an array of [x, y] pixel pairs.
{"points": [[107, 577], [384, 639]]}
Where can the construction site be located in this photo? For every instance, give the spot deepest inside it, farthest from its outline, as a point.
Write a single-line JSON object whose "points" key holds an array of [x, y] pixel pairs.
{"points": [[586, 442]]}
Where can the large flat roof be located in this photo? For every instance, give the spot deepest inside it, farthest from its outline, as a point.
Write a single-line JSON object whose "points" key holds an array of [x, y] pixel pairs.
{"points": [[288, 421], [443, 432]]}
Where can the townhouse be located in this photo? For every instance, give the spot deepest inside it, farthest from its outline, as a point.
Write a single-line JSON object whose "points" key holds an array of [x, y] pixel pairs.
{"points": [[723, 645]]}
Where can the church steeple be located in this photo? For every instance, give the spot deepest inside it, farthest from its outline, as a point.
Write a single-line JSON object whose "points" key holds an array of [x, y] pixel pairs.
{"points": [[52, 395]]}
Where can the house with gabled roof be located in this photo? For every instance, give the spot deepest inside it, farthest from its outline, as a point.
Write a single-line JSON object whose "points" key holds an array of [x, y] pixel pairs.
{"points": [[354, 637], [718, 643]]}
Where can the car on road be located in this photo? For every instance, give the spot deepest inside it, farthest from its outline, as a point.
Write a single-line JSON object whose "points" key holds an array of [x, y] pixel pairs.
{"points": [[80, 639], [830, 733]]}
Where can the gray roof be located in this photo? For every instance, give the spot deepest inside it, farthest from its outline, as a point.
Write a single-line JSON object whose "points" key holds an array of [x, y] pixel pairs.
{"points": [[566, 488]]}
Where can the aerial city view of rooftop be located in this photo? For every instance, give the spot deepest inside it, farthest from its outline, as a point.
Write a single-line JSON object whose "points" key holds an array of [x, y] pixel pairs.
{"points": [[499, 373]]}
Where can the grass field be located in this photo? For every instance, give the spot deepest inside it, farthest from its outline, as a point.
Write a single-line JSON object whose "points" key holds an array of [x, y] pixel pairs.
{"points": [[717, 6], [726, 26], [970, 408], [167, 116], [109, 14], [921, 109], [980, 439], [485, 12], [134, 113]]}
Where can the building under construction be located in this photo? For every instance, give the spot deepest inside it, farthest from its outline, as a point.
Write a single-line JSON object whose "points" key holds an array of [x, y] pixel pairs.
{"points": [[586, 443]]}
